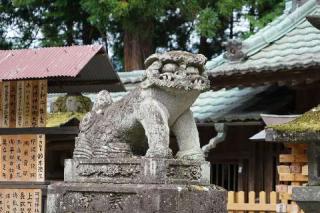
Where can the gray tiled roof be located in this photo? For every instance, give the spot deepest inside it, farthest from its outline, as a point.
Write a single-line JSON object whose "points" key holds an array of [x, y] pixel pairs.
{"points": [[132, 77], [215, 106], [222, 105], [290, 42], [211, 106]]}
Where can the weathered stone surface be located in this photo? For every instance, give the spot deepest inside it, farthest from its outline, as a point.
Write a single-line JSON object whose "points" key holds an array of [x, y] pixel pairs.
{"points": [[307, 197], [314, 164], [161, 103], [137, 170], [125, 198], [107, 174]]}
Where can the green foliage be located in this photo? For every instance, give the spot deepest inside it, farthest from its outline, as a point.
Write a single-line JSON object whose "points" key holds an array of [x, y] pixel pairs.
{"points": [[226, 7], [262, 13], [48, 23], [267, 16], [207, 22], [20, 22], [168, 24]]}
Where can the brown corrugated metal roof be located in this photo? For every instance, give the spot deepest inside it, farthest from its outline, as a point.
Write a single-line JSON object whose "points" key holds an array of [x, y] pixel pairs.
{"points": [[46, 62]]}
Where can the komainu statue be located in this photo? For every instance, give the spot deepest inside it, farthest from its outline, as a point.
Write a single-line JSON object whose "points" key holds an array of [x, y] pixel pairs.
{"points": [[159, 105]]}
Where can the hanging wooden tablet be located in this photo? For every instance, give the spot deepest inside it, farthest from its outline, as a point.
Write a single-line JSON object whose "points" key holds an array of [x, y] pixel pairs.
{"points": [[22, 157], [20, 200]]}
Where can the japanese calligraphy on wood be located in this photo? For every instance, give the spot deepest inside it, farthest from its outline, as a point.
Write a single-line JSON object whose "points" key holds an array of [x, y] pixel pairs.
{"points": [[23, 103], [20, 200], [22, 157], [5, 104]]}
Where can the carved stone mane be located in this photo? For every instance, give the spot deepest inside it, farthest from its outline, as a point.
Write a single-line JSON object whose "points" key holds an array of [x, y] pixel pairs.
{"points": [[161, 103]]}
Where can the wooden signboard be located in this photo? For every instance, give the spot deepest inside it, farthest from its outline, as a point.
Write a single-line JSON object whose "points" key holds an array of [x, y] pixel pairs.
{"points": [[22, 157], [5, 104], [23, 103], [20, 200], [20, 104]]}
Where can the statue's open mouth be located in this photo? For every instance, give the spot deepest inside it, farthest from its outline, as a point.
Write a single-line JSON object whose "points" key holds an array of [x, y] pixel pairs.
{"points": [[181, 81]]}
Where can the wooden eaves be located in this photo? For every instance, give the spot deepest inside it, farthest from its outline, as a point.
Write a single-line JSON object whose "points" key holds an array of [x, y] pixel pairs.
{"points": [[281, 78]]}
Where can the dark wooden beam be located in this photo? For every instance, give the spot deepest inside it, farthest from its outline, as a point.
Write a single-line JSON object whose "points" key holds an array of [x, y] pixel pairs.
{"points": [[26, 185], [78, 83], [314, 20], [284, 77], [235, 123], [23, 185], [40, 130], [73, 86]]}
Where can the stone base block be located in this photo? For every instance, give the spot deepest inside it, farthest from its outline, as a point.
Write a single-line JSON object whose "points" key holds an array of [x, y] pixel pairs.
{"points": [[135, 198], [307, 197], [136, 170]]}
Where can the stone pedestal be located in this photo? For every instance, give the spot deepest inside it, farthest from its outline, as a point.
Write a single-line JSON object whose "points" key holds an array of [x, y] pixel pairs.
{"points": [[134, 198], [307, 197], [136, 184], [137, 170]]}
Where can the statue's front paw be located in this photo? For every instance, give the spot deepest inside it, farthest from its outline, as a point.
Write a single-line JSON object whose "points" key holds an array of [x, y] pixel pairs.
{"points": [[159, 153], [192, 154]]}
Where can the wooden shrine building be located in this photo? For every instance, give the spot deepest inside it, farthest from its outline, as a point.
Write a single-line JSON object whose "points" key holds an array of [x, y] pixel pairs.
{"points": [[26, 77], [283, 55]]}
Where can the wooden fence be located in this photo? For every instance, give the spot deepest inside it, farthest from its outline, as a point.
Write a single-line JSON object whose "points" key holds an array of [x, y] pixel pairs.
{"points": [[293, 171], [237, 203]]}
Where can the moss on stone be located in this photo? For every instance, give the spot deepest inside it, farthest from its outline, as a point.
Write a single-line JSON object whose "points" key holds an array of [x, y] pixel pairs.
{"points": [[308, 122], [58, 118], [85, 103]]}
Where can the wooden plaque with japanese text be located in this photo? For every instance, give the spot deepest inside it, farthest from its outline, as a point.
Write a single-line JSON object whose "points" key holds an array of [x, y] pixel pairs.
{"points": [[20, 200], [23, 103], [22, 157]]}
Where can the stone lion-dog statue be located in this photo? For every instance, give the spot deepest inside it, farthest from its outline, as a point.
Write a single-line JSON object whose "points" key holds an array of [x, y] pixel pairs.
{"points": [[161, 103]]}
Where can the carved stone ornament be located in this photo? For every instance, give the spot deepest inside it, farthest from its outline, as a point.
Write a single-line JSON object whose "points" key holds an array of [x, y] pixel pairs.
{"points": [[135, 198], [88, 202], [233, 50], [184, 172], [114, 171], [161, 103]]}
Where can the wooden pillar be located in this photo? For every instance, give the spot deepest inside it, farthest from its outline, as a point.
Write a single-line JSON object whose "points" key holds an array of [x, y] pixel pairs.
{"points": [[268, 168], [252, 169]]}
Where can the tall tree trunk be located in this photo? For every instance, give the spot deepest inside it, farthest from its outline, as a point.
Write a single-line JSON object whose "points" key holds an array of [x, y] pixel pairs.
{"points": [[231, 26], [204, 47], [138, 46], [251, 13], [69, 32], [86, 33]]}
